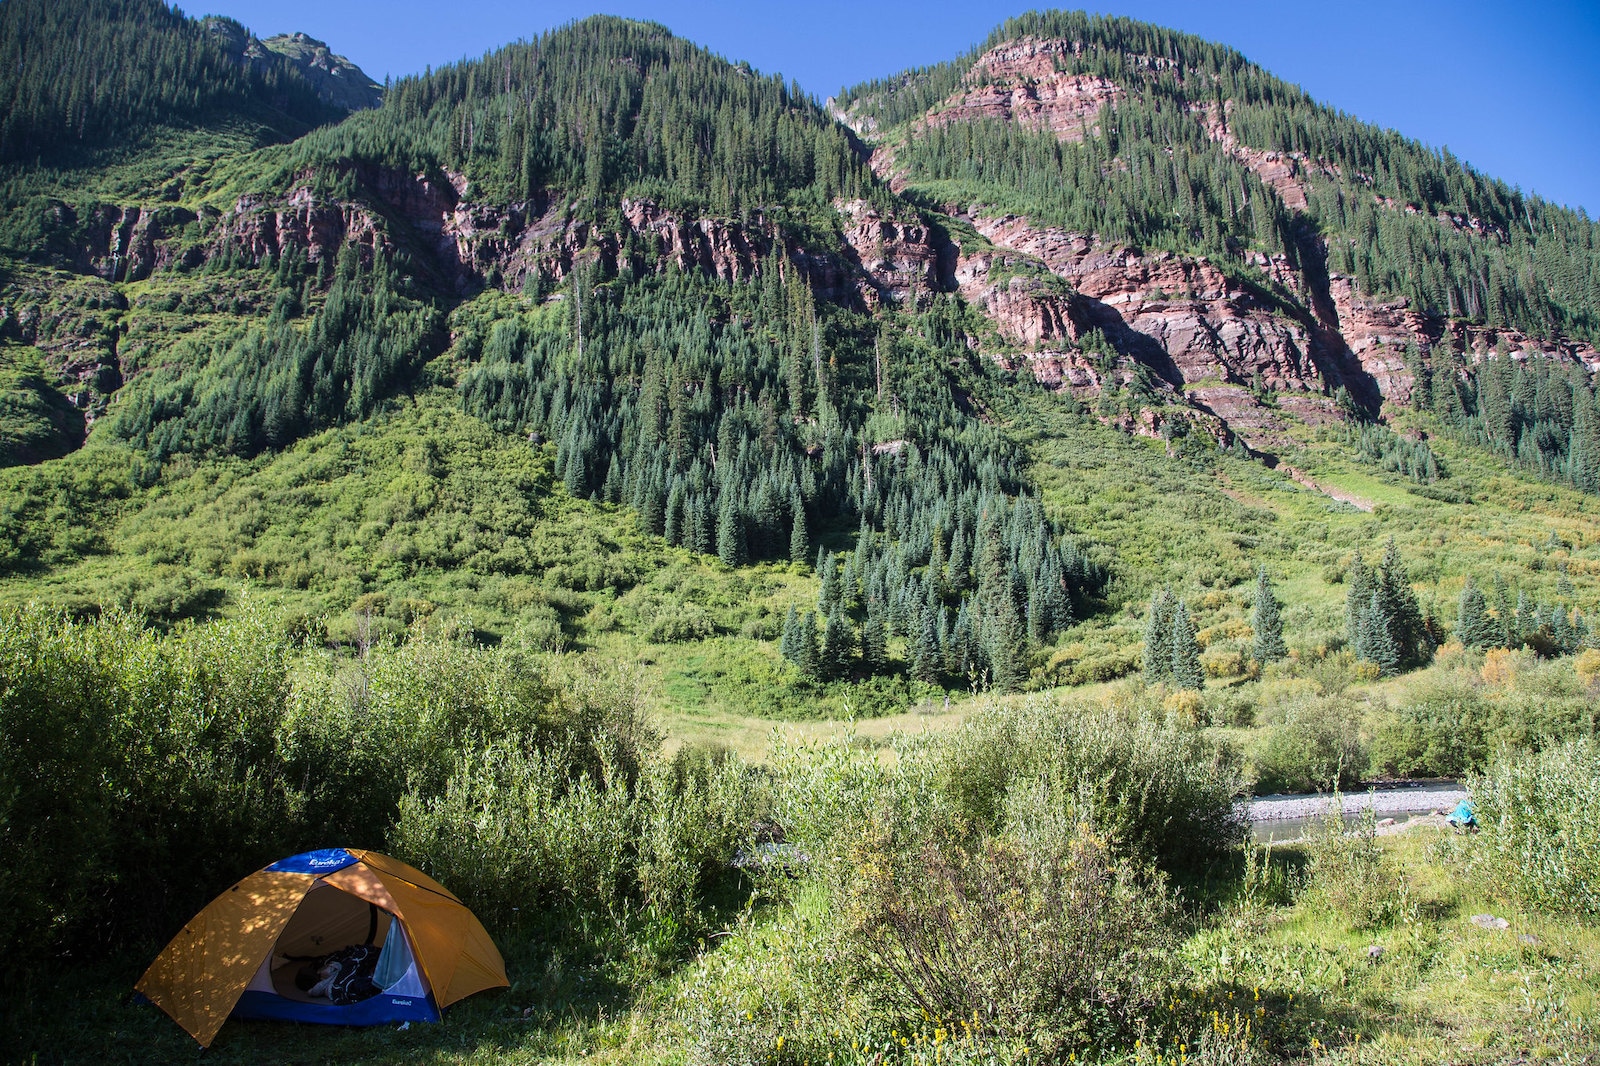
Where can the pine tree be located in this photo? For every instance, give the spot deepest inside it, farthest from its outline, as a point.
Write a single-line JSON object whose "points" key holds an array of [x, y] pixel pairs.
{"points": [[1402, 615], [1359, 583], [837, 646], [1506, 635], [705, 526], [731, 547], [1377, 643], [829, 590], [1186, 671], [790, 645], [807, 657], [1474, 627], [799, 536], [1267, 644], [1421, 379], [874, 640], [1158, 638], [1005, 647], [1528, 621], [925, 657], [673, 522], [1561, 634]]}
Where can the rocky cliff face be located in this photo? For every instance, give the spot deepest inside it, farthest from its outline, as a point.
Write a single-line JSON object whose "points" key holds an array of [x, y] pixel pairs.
{"points": [[1019, 82], [1246, 348], [337, 80]]}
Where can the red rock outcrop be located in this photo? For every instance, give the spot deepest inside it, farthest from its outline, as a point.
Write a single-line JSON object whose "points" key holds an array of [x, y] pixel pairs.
{"points": [[1019, 81], [472, 243], [1210, 326]]}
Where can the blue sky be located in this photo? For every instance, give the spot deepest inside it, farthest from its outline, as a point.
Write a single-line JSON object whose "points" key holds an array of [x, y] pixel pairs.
{"points": [[1512, 88]]}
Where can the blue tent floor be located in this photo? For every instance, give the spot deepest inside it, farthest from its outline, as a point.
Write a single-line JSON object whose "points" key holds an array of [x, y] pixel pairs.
{"points": [[378, 1010]]}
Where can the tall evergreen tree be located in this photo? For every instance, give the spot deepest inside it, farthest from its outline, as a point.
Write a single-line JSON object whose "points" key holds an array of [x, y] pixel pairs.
{"points": [[789, 646], [874, 639], [1358, 594], [1377, 641], [1562, 637], [807, 657], [1186, 670], [828, 592], [1402, 614], [1158, 627], [925, 655], [1267, 644], [837, 645], [731, 547], [799, 535], [1474, 627], [1505, 615]]}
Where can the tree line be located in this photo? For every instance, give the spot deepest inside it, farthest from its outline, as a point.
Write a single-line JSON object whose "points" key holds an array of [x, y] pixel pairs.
{"points": [[275, 381], [1537, 412]]}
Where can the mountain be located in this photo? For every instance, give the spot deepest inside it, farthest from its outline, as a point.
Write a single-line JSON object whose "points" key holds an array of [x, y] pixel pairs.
{"points": [[339, 83], [105, 74], [1218, 225], [689, 310]]}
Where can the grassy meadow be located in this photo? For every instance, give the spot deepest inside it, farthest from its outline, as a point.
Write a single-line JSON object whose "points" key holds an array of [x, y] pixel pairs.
{"points": [[1039, 878]]}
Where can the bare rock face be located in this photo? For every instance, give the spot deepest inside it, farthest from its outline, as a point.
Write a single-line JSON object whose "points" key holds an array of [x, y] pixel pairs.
{"points": [[337, 80], [898, 258], [125, 243], [1206, 324], [470, 243], [1019, 82]]}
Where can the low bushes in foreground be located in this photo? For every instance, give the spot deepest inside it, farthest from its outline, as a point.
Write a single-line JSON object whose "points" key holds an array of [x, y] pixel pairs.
{"points": [[1060, 945], [1541, 834]]}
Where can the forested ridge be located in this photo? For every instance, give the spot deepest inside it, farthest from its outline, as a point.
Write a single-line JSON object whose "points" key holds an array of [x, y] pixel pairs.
{"points": [[603, 107], [1508, 258], [92, 73]]}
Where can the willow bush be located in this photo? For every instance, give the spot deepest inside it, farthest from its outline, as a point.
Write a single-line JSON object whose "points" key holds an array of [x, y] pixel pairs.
{"points": [[1540, 841]]}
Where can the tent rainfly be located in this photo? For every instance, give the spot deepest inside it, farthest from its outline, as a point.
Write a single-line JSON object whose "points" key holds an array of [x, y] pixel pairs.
{"points": [[257, 950]]}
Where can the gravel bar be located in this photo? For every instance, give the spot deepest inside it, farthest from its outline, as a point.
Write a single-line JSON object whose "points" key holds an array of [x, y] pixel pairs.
{"points": [[1408, 800]]}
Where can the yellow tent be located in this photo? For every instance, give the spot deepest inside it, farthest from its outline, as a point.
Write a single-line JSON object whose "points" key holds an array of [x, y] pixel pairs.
{"points": [[241, 955]]}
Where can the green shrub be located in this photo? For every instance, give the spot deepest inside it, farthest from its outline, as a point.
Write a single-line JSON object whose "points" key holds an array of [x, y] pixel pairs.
{"points": [[1351, 876], [1156, 788], [1450, 725], [139, 773], [142, 771], [516, 832], [1315, 745], [678, 623], [1055, 942], [1541, 841]]}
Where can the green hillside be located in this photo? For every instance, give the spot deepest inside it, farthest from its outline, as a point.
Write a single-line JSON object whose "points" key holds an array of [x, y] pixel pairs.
{"points": [[605, 107], [84, 76]]}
